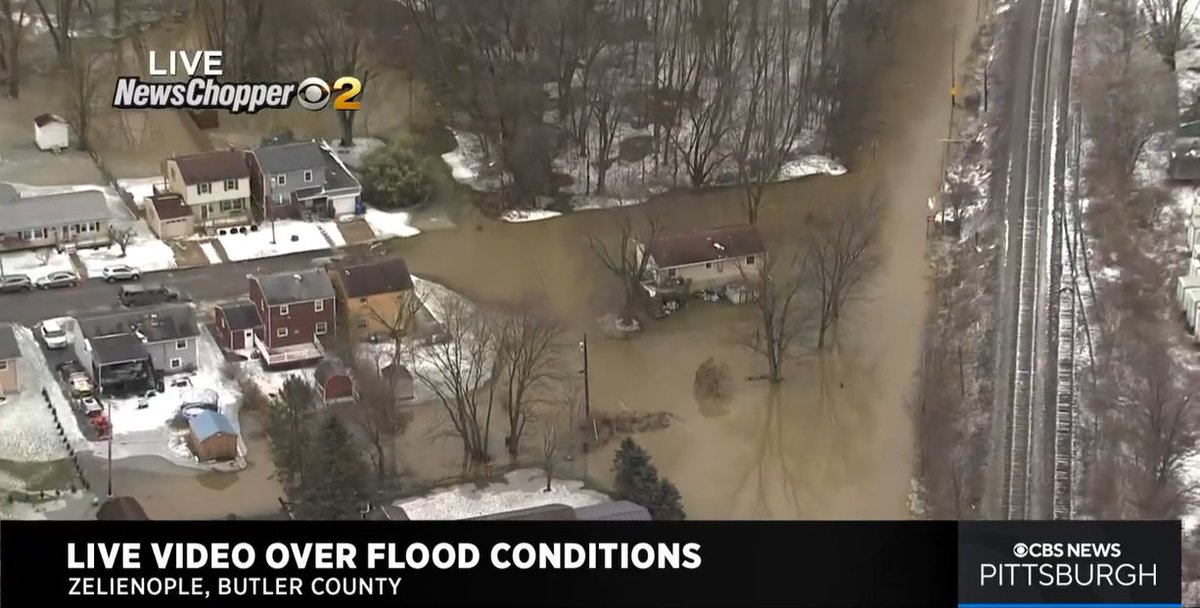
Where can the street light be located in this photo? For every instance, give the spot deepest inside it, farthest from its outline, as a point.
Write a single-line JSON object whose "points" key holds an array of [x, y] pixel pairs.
{"points": [[587, 396]]}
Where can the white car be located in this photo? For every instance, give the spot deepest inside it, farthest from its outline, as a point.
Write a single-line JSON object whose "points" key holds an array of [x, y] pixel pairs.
{"points": [[121, 272], [53, 334]]}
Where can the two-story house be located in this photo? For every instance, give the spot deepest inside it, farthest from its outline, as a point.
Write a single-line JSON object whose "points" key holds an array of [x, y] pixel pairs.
{"points": [[376, 296], [300, 179], [123, 350], [705, 259], [295, 309], [214, 185], [66, 220]]}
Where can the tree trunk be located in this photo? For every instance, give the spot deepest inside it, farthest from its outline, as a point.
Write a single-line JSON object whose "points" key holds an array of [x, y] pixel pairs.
{"points": [[346, 119], [14, 63]]}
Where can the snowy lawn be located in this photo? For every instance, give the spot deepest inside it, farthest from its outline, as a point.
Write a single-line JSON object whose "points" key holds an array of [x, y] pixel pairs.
{"points": [[334, 233], [390, 223], [144, 252], [254, 245], [271, 382], [35, 359], [28, 262], [517, 216], [210, 252], [811, 165], [29, 432], [521, 489], [467, 165], [353, 156], [141, 188]]}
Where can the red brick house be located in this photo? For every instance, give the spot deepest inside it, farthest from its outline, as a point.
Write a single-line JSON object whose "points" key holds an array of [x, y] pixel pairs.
{"points": [[237, 322], [295, 309]]}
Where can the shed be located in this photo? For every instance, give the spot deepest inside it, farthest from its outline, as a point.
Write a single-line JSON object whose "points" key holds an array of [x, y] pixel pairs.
{"points": [[121, 508], [212, 437], [334, 383], [169, 217], [51, 132]]}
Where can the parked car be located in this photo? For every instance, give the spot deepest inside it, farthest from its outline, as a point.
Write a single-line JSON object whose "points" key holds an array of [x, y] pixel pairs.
{"points": [[52, 334], [80, 385], [91, 406], [120, 272], [146, 294], [55, 280], [15, 283]]}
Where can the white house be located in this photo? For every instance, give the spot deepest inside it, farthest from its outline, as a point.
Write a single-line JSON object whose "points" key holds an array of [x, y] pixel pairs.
{"points": [[51, 133], [705, 259], [214, 185]]}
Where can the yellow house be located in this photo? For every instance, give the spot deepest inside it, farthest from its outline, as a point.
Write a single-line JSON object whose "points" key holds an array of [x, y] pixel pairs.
{"points": [[376, 295]]}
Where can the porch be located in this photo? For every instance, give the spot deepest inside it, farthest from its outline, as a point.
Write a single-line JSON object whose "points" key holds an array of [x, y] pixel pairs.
{"points": [[287, 355]]}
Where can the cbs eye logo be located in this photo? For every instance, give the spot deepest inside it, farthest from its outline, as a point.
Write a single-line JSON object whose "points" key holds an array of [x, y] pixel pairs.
{"points": [[313, 93]]}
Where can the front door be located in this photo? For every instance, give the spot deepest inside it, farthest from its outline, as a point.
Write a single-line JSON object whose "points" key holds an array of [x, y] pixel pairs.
{"points": [[248, 338], [204, 213]]}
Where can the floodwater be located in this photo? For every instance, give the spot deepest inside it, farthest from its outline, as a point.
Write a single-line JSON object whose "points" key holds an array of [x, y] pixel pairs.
{"points": [[834, 441]]}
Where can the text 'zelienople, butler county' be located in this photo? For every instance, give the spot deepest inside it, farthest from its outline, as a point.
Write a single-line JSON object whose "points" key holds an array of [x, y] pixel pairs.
{"points": [[224, 569]]}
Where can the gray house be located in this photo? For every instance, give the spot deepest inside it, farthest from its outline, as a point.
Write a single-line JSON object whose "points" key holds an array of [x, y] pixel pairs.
{"points": [[300, 179], [68, 219], [166, 336]]}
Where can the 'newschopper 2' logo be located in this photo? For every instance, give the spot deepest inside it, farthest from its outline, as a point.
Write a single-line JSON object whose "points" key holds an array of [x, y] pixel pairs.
{"points": [[203, 91]]}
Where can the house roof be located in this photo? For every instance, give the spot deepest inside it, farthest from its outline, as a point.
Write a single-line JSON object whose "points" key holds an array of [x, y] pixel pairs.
{"points": [[379, 276], [240, 315], [30, 212], [208, 423], [298, 286], [212, 166], [119, 348], [706, 245], [42, 120], [338, 178], [550, 512], [121, 508], [157, 323], [329, 368], [9, 349], [386, 513], [622, 510], [169, 206], [295, 156]]}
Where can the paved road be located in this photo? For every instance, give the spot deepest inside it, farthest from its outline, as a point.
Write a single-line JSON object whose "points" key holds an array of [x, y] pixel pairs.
{"points": [[1026, 361], [203, 284]]}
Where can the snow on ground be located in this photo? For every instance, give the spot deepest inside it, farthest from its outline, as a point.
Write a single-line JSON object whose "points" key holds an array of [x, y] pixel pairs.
{"points": [[210, 252], [811, 165], [162, 407], [257, 244], [141, 188], [27, 262], [29, 432], [521, 489], [390, 223], [517, 216], [467, 165], [26, 511], [31, 351], [144, 252], [271, 382], [25, 190], [333, 233], [354, 155]]}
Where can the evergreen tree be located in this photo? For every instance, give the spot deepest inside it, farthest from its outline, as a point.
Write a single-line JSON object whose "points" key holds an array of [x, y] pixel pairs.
{"points": [[667, 503], [288, 429], [335, 484], [637, 480]]}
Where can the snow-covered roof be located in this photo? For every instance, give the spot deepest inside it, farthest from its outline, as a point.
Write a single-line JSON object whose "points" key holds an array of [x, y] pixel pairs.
{"points": [[58, 209], [207, 423]]}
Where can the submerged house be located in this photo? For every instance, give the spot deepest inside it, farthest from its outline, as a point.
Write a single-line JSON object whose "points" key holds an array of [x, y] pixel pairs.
{"points": [[705, 259]]}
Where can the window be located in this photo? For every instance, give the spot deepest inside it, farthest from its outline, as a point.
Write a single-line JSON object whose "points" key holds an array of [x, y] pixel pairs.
{"points": [[204, 188], [749, 259], [362, 300], [96, 226], [322, 328], [308, 176], [319, 306], [226, 205], [3, 365], [360, 321], [283, 310], [239, 204], [720, 266], [176, 363], [281, 332], [180, 344], [708, 265], [672, 272], [281, 179], [230, 184]]}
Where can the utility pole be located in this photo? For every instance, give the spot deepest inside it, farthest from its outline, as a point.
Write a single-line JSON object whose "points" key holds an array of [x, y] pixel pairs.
{"points": [[587, 393], [110, 442]]}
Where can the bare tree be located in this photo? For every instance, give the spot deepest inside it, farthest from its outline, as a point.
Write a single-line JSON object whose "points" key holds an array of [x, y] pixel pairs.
{"points": [[549, 449], [340, 50], [376, 413], [526, 347], [844, 253], [1166, 21], [59, 26], [44, 254], [84, 82], [782, 315], [459, 369], [121, 235], [628, 260], [13, 20]]}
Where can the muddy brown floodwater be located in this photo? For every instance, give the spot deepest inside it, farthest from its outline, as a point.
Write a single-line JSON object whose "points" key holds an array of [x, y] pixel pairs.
{"points": [[833, 441]]}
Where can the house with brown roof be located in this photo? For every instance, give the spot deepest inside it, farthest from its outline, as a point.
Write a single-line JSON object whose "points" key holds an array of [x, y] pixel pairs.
{"points": [[214, 185], [708, 259], [376, 295], [169, 217]]}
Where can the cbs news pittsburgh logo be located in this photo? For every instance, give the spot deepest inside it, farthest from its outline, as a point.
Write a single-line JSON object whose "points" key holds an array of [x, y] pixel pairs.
{"points": [[314, 93]]}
